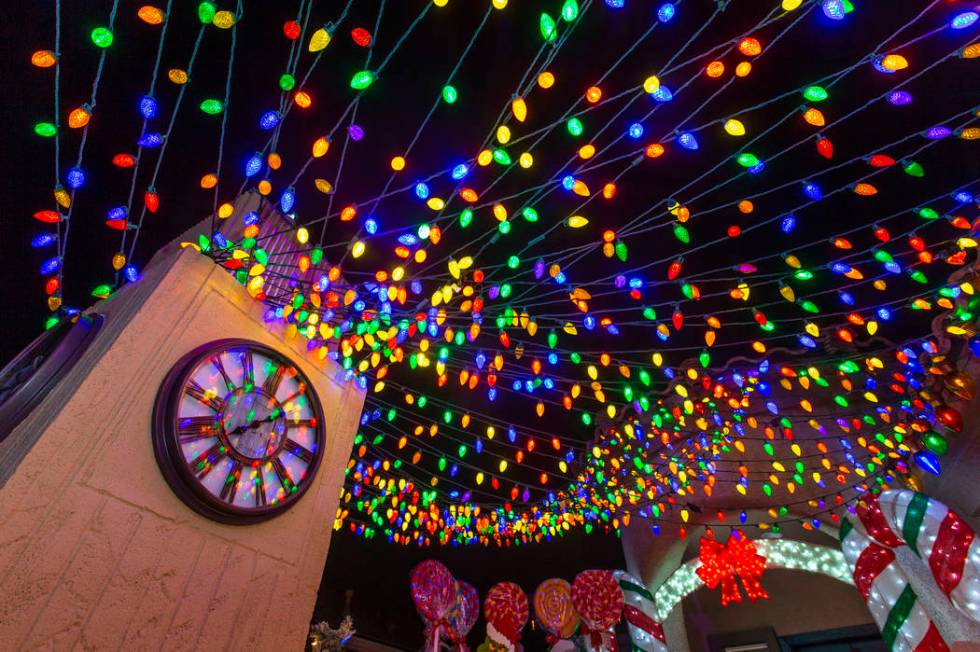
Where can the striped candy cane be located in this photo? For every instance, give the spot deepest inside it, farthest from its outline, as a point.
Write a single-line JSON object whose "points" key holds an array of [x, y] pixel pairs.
{"points": [[933, 532], [640, 613]]}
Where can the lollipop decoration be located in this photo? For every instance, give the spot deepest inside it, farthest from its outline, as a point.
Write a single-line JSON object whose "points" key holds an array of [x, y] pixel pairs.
{"points": [[434, 593], [462, 615], [554, 611], [598, 599], [506, 611], [639, 611]]}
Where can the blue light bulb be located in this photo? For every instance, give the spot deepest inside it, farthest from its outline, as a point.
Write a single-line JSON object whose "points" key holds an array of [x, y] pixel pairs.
{"points": [[269, 120], [687, 140], [75, 178], [150, 140], [899, 98], [50, 266], [43, 240], [148, 106], [635, 130], [833, 9], [665, 13], [812, 191], [964, 20], [287, 200], [253, 165]]}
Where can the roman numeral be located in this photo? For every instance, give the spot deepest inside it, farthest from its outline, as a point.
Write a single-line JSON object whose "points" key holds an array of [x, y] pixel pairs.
{"points": [[299, 451], [248, 367], [283, 473], [292, 397], [230, 488], [203, 463], [192, 429], [216, 361], [201, 395], [272, 380], [259, 488]]}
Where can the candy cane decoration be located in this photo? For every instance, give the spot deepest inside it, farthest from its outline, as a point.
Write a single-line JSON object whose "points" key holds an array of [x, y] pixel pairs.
{"points": [[640, 612], [934, 533]]}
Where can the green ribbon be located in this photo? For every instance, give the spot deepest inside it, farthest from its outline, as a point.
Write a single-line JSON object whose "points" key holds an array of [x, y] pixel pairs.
{"points": [[845, 529], [914, 515], [898, 615], [635, 588]]}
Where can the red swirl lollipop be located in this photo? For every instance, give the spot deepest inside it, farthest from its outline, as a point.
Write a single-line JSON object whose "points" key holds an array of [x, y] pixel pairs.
{"points": [[597, 599], [505, 609]]}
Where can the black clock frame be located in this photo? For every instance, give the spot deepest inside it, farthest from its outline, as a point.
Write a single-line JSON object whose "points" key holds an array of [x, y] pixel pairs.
{"points": [[62, 346], [170, 457]]}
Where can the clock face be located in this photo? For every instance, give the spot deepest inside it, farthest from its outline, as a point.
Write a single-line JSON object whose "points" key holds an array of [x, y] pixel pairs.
{"points": [[238, 431]]}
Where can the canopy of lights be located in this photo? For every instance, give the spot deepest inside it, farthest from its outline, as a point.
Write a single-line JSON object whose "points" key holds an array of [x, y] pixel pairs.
{"points": [[595, 262]]}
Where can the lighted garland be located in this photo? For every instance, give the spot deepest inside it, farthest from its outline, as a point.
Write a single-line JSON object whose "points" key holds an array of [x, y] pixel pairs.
{"points": [[659, 429]]}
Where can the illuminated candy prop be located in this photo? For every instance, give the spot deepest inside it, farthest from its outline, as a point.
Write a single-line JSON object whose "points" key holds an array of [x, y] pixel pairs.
{"points": [[554, 611], [937, 536], [506, 611], [462, 615], [598, 599], [434, 592], [640, 612], [721, 564]]}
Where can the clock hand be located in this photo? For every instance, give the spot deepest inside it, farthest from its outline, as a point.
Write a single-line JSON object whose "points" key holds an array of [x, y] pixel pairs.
{"points": [[242, 428]]}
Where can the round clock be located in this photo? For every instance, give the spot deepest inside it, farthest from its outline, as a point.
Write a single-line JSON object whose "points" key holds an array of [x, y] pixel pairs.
{"points": [[28, 378], [237, 431]]}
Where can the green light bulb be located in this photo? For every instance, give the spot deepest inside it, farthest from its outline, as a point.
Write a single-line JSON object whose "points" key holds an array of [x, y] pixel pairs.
{"points": [[362, 80], [815, 93], [102, 37], [212, 106], [549, 30]]}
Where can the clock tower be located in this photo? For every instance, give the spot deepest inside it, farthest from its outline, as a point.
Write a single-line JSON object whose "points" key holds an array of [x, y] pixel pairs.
{"points": [[175, 485]]}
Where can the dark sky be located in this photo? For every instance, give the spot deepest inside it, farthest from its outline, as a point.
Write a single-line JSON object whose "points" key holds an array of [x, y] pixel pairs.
{"points": [[376, 571]]}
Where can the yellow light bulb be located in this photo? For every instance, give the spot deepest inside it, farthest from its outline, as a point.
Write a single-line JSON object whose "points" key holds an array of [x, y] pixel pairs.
{"points": [[734, 127], [321, 146], [319, 40]]}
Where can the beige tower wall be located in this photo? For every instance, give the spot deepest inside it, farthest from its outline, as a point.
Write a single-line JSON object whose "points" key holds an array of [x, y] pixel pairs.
{"points": [[96, 552]]}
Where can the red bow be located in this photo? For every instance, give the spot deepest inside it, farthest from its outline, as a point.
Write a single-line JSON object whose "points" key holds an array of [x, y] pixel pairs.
{"points": [[721, 563]]}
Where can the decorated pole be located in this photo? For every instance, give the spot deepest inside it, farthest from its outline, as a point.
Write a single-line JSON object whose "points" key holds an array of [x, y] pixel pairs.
{"points": [[945, 544], [640, 612]]}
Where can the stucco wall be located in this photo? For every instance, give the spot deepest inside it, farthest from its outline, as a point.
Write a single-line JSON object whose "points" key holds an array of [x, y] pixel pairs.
{"points": [[96, 552], [799, 602]]}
